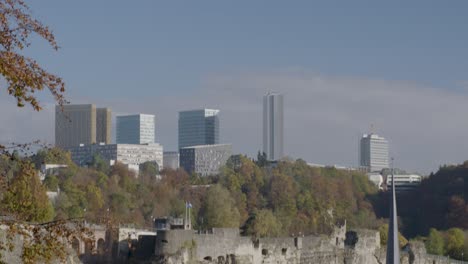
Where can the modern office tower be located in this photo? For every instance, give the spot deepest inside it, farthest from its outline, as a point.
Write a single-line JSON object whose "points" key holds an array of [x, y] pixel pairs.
{"points": [[103, 125], [74, 125], [373, 153], [198, 127], [205, 159], [81, 124], [129, 154], [171, 160], [273, 126], [135, 129]]}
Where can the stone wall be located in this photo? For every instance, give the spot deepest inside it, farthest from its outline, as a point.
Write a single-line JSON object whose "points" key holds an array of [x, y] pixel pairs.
{"points": [[226, 246]]}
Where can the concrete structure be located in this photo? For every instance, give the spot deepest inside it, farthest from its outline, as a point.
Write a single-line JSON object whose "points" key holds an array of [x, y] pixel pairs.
{"points": [[404, 182], [81, 124], [273, 127], [171, 160], [135, 129], [377, 179], [129, 154], [103, 125], [393, 247], [198, 127], [205, 159], [49, 169], [373, 153]]}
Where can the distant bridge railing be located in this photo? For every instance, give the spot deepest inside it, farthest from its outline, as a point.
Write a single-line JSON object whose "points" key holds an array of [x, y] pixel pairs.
{"points": [[443, 259]]}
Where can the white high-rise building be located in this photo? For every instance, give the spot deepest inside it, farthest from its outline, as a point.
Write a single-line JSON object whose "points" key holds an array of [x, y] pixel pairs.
{"points": [[135, 129], [198, 127], [273, 126], [373, 153]]}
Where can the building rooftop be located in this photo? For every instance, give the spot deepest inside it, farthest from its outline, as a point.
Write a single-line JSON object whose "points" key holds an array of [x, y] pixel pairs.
{"points": [[206, 146]]}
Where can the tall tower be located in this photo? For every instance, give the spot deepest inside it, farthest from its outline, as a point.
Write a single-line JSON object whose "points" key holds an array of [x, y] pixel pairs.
{"points": [[135, 129], [103, 125], [198, 127], [81, 124], [373, 152], [273, 127], [393, 246]]}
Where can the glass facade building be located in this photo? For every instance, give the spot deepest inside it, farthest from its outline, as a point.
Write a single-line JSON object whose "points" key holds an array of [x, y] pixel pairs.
{"points": [[135, 129], [198, 127], [273, 126], [206, 159]]}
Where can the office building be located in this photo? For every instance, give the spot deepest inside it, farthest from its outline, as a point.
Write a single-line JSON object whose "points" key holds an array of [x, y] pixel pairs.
{"points": [[198, 127], [103, 125], [273, 126], [404, 182], [373, 153], [81, 124], [129, 154], [171, 160], [135, 129], [205, 159]]}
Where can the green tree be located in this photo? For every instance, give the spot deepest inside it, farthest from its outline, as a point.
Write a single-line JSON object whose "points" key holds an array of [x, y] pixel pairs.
{"points": [[435, 242], [454, 242], [26, 197], [51, 182], [383, 230], [264, 223], [100, 163], [219, 208]]}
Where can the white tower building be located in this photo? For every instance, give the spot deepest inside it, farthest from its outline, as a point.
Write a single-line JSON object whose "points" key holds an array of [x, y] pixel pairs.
{"points": [[373, 153]]}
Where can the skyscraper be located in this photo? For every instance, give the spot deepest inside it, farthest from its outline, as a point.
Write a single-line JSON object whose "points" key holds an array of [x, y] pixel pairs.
{"points": [[198, 127], [373, 152], [103, 125], [273, 126], [135, 129], [81, 124]]}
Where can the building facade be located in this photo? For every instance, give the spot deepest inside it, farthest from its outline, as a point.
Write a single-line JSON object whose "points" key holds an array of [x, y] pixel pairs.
{"points": [[373, 153], [171, 160], [135, 129], [103, 125], [205, 159], [404, 182], [130, 154], [198, 127], [81, 124], [273, 128]]}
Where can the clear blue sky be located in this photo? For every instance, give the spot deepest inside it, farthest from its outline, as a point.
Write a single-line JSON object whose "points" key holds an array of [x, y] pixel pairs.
{"points": [[167, 46], [343, 65]]}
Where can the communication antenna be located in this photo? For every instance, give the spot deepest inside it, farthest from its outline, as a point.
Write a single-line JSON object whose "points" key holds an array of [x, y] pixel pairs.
{"points": [[372, 128]]}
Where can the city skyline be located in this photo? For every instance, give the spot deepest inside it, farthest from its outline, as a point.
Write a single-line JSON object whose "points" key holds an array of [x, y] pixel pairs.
{"points": [[341, 67]]}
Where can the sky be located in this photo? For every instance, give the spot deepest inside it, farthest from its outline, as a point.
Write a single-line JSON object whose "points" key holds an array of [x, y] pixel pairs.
{"points": [[400, 66]]}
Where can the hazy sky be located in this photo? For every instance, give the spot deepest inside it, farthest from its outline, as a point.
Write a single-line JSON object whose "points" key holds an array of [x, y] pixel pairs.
{"points": [[342, 65]]}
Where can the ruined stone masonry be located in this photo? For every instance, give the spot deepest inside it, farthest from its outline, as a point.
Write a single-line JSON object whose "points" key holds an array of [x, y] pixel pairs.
{"points": [[226, 246]]}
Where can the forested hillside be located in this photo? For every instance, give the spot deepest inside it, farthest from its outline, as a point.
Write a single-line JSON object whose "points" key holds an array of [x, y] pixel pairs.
{"points": [[263, 199]]}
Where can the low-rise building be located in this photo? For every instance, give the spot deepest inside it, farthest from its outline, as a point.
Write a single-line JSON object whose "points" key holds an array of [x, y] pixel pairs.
{"points": [[130, 154], [205, 159], [50, 169], [404, 182]]}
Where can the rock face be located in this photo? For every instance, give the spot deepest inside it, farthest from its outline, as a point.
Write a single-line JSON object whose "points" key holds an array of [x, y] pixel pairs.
{"points": [[226, 246], [14, 256]]}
